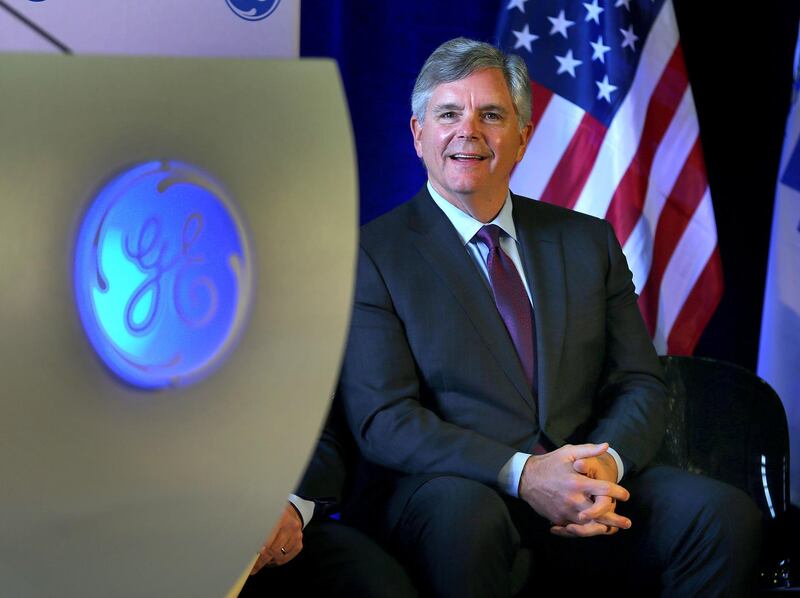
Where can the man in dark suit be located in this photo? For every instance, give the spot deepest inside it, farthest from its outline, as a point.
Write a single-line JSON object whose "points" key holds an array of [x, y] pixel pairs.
{"points": [[498, 364], [309, 554]]}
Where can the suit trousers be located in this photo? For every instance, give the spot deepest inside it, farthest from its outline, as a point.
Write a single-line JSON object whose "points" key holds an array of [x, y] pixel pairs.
{"points": [[336, 561], [690, 536]]}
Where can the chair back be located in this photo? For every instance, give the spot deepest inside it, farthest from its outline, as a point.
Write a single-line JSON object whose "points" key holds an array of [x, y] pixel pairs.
{"points": [[727, 423]]}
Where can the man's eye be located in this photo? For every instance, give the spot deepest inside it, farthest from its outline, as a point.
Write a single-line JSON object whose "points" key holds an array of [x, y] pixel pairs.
{"points": [[491, 116], [447, 115]]}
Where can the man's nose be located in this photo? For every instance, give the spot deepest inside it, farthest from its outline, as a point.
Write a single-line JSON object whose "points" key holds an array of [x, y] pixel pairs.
{"points": [[469, 126]]}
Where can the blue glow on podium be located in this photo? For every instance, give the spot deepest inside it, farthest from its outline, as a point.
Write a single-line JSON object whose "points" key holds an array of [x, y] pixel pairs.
{"points": [[162, 274]]}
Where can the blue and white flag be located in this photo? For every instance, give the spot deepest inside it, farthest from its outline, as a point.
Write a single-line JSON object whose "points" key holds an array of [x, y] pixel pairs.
{"points": [[779, 352]]}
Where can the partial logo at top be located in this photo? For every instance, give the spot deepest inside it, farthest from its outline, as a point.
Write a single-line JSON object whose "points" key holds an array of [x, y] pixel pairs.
{"points": [[163, 274], [253, 10]]}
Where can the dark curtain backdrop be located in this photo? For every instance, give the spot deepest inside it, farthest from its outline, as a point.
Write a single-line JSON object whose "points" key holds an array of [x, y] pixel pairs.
{"points": [[740, 67]]}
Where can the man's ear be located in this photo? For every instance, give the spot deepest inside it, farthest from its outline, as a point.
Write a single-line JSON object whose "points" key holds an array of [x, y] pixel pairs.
{"points": [[416, 132], [524, 137]]}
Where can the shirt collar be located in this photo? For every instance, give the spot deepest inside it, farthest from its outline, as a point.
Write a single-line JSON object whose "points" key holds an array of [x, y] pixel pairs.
{"points": [[466, 226]]}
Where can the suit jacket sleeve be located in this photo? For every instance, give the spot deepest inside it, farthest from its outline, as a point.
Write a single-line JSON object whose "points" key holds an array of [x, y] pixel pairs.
{"points": [[381, 388], [327, 474], [631, 399]]}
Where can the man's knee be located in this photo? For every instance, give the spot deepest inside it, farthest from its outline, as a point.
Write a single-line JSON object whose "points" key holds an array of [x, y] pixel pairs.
{"points": [[462, 512], [673, 499], [725, 514], [708, 532]]}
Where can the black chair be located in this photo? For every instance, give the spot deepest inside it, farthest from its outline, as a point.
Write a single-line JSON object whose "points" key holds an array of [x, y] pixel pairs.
{"points": [[727, 423]]}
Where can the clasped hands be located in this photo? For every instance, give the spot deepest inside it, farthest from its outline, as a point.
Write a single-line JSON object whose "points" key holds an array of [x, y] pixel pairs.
{"points": [[575, 488]]}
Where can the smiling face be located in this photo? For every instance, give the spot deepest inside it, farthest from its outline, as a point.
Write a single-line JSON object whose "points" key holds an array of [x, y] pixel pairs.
{"points": [[470, 141]]}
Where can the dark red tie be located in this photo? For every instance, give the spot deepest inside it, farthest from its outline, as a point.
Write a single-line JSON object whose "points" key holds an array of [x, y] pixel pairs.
{"points": [[510, 297]]}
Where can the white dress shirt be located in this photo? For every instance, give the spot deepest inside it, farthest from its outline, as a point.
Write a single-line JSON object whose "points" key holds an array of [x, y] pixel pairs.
{"points": [[304, 507]]}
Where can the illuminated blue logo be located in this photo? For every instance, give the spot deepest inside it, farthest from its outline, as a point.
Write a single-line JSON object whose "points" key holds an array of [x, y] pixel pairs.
{"points": [[253, 10], [163, 274]]}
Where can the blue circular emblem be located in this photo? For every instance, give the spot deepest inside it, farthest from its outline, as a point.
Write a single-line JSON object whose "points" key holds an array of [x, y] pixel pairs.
{"points": [[253, 10], [163, 274]]}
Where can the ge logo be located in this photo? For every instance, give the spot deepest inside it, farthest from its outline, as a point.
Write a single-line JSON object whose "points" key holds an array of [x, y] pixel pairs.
{"points": [[253, 10], [162, 274]]}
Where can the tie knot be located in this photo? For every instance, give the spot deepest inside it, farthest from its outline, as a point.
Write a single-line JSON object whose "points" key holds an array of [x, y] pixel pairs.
{"points": [[489, 234]]}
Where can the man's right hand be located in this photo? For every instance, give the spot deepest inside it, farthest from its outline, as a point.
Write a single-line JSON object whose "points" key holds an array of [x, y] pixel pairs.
{"points": [[555, 490]]}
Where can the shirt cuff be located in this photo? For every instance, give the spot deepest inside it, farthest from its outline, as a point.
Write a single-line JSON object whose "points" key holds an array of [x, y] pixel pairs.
{"points": [[304, 507], [511, 473], [620, 467]]}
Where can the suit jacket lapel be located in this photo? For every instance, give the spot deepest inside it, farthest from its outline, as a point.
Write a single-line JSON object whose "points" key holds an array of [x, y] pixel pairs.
{"points": [[543, 261], [439, 244]]}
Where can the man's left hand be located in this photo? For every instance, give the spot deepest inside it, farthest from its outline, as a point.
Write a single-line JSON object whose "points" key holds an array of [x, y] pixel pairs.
{"points": [[600, 518]]}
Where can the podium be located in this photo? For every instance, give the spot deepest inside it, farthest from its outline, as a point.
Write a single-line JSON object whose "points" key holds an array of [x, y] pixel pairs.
{"points": [[111, 487]]}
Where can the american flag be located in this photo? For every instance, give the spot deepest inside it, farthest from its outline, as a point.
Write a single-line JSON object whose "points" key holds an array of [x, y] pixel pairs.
{"points": [[616, 136]]}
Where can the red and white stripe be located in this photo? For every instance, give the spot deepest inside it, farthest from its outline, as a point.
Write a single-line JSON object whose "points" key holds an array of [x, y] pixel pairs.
{"points": [[646, 175]]}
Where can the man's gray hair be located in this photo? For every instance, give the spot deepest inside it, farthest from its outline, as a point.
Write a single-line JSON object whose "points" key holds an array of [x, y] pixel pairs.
{"points": [[459, 58]]}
